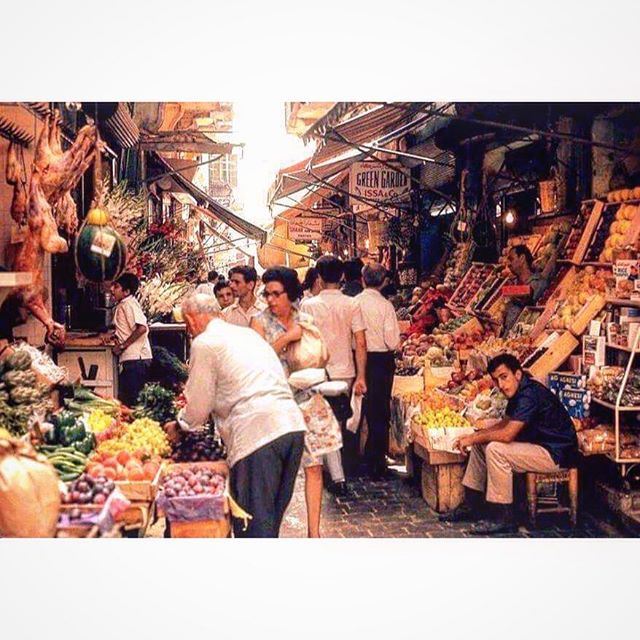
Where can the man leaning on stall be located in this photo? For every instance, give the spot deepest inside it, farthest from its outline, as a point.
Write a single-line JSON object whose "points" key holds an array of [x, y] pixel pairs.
{"points": [[536, 435]]}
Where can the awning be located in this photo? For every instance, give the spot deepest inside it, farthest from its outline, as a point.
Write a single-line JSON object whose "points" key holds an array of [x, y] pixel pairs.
{"points": [[121, 126], [194, 141], [298, 177], [203, 199], [381, 125]]}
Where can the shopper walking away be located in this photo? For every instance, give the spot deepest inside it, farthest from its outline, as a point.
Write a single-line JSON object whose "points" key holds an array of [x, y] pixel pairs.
{"points": [[536, 435], [243, 282], [279, 326], [132, 339], [224, 294], [207, 285], [383, 338], [236, 376], [353, 277], [340, 322]]}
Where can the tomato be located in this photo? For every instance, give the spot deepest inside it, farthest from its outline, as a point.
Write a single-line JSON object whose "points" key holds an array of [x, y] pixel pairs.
{"points": [[123, 457]]}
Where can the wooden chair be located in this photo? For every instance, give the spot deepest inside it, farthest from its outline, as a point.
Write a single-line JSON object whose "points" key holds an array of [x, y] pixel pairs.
{"points": [[565, 476]]}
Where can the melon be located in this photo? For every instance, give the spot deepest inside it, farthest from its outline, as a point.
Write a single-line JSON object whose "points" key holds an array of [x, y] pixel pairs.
{"points": [[100, 252]]}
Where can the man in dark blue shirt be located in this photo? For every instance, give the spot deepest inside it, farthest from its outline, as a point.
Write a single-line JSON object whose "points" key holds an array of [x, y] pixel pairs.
{"points": [[537, 435]]}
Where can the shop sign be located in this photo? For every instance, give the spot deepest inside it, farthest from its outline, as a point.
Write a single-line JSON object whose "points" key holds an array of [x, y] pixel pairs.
{"points": [[378, 182], [305, 229]]}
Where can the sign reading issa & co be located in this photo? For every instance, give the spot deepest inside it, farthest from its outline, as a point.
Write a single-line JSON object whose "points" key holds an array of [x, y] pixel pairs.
{"points": [[377, 181]]}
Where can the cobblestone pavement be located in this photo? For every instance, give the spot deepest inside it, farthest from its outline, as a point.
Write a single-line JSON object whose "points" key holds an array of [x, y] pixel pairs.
{"points": [[394, 509]]}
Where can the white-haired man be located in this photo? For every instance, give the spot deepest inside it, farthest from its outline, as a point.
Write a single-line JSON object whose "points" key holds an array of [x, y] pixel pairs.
{"points": [[236, 375]]}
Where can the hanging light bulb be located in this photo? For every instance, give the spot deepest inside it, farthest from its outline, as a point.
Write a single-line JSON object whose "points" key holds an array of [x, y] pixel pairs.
{"points": [[510, 218]]}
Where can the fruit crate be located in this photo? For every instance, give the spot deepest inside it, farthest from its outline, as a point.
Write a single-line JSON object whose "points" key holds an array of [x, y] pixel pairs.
{"points": [[588, 312], [489, 294], [597, 241], [140, 490], [471, 284], [593, 211], [197, 528], [550, 355]]}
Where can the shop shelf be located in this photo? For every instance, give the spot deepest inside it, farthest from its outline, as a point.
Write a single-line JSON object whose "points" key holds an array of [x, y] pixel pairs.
{"points": [[611, 406], [619, 302], [618, 347]]}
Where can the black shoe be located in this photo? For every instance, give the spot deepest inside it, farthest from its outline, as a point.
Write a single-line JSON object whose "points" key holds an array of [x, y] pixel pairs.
{"points": [[338, 489], [463, 513], [493, 527]]}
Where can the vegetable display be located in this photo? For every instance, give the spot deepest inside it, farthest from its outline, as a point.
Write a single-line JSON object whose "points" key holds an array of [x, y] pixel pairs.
{"points": [[85, 401], [167, 367], [67, 461], [156, 403], [20, 395], [69, 430], [438, 418]]}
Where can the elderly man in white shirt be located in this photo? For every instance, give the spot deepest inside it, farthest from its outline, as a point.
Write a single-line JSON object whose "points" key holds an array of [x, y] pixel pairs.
{"points": [[236, 376], [243, 281], [340, 322], [383, 338]]}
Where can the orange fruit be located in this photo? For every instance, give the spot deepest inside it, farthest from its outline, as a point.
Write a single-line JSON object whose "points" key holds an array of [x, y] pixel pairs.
{"points": [[123, 457], [136, 474], [110, 472], [150, 469]]}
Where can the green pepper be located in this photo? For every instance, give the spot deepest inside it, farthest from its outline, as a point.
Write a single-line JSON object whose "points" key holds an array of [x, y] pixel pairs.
{"points": [[86, 445], [73, 433]]}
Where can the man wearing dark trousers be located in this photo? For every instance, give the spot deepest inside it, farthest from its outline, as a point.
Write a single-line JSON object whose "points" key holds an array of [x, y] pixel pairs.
{"points": [[383, 338]]}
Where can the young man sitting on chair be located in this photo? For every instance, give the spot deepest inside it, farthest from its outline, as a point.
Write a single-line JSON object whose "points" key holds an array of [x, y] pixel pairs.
{"points": [[536, 435]]}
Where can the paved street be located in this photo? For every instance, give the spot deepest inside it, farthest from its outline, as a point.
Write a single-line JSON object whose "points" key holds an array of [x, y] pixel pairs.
{"points": [[394, 509]]}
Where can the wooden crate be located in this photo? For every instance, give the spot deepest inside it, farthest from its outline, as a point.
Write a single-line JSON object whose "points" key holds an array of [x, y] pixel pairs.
{"points": [[441, 485], [587, 233], [588, 312], [140, 490], [407, 384], [554, 356], [440, 477], [201, 529], [471, 326]]}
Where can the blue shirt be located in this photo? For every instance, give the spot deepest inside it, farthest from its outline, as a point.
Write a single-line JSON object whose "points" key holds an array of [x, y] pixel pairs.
{"points": [[546, 421]]}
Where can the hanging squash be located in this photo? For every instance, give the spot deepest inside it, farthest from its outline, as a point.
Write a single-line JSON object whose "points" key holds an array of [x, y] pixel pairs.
{"points": [[100, 252]]}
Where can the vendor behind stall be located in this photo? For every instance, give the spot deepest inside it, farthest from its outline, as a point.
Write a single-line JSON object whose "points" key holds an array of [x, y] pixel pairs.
{"points": [[536, 435], [520, 263], [132, 335]]}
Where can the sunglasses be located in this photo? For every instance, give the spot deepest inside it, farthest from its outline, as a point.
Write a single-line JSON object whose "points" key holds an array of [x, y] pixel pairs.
{"points": [[268, 294]]}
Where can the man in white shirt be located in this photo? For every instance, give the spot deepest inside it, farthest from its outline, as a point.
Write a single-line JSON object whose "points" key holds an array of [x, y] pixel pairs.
{"points": [[243, 282], [132, 336], [207, 287], [383, 338], [237, 376], [340, 322]]}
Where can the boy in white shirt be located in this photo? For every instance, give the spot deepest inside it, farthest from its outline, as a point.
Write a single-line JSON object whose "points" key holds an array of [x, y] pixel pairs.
{"points": [[132, 335]]}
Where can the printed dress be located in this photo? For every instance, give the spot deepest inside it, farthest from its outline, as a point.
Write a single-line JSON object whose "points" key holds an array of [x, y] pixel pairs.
{"points": [[323, 430]]}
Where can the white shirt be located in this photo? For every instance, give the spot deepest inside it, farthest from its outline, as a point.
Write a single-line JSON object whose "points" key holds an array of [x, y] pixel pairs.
{"points": [[338, 318], [127, 315], [381, 323], [237, 376], [235, 314]]}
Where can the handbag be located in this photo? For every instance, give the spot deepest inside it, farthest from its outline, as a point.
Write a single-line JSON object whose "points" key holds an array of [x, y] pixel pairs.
{"points": [[310, 352], [341, 406]]}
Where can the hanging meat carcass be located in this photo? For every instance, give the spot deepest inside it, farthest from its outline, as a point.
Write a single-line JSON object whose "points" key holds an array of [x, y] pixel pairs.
{"points": [[62, 170], [54, 174], [16, 177]]}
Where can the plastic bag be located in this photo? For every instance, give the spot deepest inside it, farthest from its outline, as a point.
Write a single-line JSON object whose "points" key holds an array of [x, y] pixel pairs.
{"points": [[310, 352], [307, 378], [356, 407], [29, 493]]}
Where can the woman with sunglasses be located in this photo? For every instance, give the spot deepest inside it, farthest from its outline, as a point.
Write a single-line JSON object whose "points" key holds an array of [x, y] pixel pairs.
{"points": [[278, 325]]}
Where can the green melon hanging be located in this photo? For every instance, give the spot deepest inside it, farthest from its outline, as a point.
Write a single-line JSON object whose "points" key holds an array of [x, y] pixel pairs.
{"points": [[100, 252]]}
